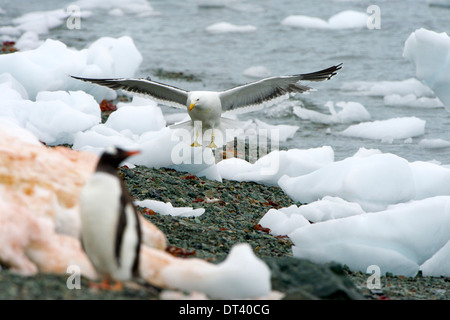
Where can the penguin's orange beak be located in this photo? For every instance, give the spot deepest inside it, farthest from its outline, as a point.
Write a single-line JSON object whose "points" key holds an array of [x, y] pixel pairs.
{"points": [[132, 153]]}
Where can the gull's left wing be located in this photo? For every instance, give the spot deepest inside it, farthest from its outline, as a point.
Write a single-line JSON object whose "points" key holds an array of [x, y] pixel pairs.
{"points": [[270, 88], [164, 93]]}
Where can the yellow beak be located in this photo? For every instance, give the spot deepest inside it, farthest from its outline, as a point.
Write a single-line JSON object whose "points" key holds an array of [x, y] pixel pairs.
{"points": [[191, 106]]}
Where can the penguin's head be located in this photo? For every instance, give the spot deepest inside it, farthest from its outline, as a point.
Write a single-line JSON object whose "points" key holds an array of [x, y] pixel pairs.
{"points": [[113, 156]]}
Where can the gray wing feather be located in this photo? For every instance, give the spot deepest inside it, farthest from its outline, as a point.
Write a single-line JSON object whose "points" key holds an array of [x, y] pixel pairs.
{"points": [[164, 93], [270, 88]]}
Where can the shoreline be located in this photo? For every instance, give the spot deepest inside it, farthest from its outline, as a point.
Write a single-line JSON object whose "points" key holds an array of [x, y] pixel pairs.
{"points": [[232, 219]]}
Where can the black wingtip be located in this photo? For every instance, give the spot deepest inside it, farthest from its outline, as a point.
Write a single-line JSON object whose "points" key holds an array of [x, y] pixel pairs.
{"points": [[325, 74], [80, 78], [336, 69]]}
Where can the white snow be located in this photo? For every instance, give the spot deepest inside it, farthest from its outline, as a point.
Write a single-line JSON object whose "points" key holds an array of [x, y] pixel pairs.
{"points": [[167, 208], [430, 52], [347, 19], [226, 27]]}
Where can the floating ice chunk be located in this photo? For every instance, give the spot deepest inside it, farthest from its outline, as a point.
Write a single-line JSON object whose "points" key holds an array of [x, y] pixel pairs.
{"points": [[141, 8], [226, 27], [117, 12], [348, 19], [41, 21], [363, 152], [282, 132], [350, 112], [167, 208], [9, 32], [411, 100], [384, 88], [28, 41], [257, 72], [282, 109], [434, 143], [373, 181], [301, 21], [213, 3], [386, 130], [439, 3], [430, 52]]}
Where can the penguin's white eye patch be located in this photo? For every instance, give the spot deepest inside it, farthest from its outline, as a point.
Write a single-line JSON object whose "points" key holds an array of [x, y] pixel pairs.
{"points": [[111, 150]]}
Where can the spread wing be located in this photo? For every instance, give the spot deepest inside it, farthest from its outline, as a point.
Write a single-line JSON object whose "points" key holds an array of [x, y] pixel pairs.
{"points": [[164, 93], [270, 88]]}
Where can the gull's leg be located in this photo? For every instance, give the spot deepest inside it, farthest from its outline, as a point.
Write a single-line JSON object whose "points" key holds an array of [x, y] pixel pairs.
{"points": [[196, 144], [212, 144]]}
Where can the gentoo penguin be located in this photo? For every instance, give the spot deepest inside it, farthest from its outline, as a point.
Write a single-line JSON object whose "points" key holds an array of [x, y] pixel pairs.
{"points": [[110, 228]]}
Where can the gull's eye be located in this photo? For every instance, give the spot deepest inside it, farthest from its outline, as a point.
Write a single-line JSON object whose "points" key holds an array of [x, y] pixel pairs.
{"points": [[197, 99]]}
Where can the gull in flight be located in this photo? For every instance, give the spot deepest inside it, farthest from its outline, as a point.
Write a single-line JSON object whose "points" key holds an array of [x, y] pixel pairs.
{"points": [[208, 106]]}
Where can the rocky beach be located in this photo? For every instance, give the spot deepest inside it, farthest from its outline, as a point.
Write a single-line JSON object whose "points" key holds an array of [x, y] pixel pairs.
{"points": [[231, 218]]}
